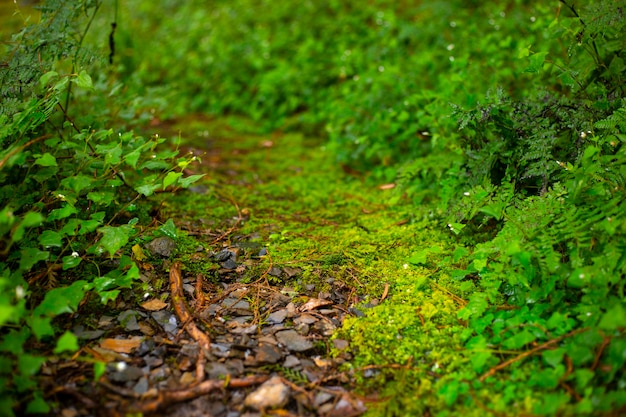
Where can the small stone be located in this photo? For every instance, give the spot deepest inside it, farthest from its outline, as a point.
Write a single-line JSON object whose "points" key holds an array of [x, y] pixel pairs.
{"points": [[340, 344], [268, 354], [141, 387], [225, 255], [129, 373], [294, 341], [277, 316], [275, 271], [162, 245], [321, 398], [229, 264], [273, 393], [291, 361], [128, 319]]}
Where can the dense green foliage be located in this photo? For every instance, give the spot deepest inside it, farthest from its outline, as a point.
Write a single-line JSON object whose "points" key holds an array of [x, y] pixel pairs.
{"points": [[502, 122], [70, 187]]}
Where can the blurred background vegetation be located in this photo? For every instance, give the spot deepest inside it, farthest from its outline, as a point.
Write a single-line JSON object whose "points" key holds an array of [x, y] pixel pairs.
{"points": [[501, 121]]}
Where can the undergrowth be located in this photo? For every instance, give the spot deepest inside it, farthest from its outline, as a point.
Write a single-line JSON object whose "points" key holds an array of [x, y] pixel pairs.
{"points": [[498, 128]]}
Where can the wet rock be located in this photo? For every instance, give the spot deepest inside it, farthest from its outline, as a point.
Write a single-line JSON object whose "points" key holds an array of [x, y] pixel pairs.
{"points": [[163, 246], [80, 332], [291, 272], [321, 398], [273, 393], [229, 264], [141, 387], [128, 319], [126, 373], [277, 316], [166, 319], [294, 341], [305, 319], [236, 303], [153, 361], [340, 344], [216, 370], [275, 271], [291, 361], [145, 347], [267, 353]]}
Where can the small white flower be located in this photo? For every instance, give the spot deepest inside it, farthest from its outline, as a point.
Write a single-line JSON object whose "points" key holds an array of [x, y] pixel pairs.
{"points": [[405, 266], [466, 193], [19, 292], [61, 197], [75, 254], [120, 366], [381, 68], [450, 47], [583, 135]]}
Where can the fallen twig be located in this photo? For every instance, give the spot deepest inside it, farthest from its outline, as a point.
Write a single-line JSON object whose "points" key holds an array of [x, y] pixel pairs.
{"points": [[165, 399], [178, 299], [528, 353]]}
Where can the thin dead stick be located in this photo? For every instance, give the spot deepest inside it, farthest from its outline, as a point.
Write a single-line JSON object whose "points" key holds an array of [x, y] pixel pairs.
{"points": [[528, 353], [166, 398], [178, 299]]}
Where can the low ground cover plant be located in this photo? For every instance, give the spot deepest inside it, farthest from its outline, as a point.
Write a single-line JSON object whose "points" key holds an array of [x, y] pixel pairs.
{"points": [[500, 123]]}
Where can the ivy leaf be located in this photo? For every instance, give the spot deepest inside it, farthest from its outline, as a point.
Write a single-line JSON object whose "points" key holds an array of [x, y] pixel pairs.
{"points": [[37, 405], [114, 238], [30, 364], [83, 80], [62, 300], [61, 213], [41, 326], [536, 61], [187, 181], [519, 340], [99, 368], [67, 343], [614, 318], [51, 238], [71, 261], [171, 178], [31, 219], [169, 229], [45, 79], [476, 306], [46, 160], [30, 256]]}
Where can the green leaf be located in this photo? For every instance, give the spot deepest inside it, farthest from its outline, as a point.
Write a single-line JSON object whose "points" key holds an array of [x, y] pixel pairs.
{"points": [[77, 183], [62, 300], [37, 405], [519, 340], [68, 342], [147, 189], [41, 326], [99, 197], [29, 364], [30, 256], [536, 61], [61, 213], [169, 229], [476, 306], [106, 296], [51, 238], [13, 341], [132, 158], [614, 318], [71, 261], [45, 78], [99, 368], [419, 258], [46, 160], [31, 219], [83, 80], [187, 181], [171, 178], [553, 357], [115, 238]]}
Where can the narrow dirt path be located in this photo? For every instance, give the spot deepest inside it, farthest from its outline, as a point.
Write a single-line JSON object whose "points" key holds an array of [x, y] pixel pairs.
{"points": [[262, 299]]}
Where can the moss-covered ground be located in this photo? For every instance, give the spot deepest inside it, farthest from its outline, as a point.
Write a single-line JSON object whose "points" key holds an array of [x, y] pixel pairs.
{"points": [[336, 229]]}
